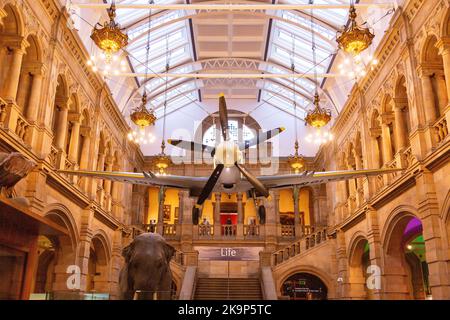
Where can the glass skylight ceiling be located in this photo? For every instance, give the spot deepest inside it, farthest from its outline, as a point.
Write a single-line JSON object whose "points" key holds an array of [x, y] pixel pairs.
{"points": [[169, 29], [170, 43], [292, 43]]}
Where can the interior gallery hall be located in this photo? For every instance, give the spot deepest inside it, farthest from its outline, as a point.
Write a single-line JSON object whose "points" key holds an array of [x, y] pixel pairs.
{"points": [[224, 150]]}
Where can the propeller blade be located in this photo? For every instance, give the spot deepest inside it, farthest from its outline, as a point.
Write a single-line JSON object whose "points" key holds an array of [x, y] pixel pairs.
{"points": [[252, 179], [260, 138], [190, 145], [209, 186], [223, 115]]}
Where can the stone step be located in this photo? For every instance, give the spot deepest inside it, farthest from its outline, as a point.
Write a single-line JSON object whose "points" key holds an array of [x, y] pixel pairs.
{"points": [[228, 289]]}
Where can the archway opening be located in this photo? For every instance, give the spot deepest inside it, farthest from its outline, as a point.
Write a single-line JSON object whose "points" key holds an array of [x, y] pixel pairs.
{"points": [[405, 261], [97, 278], [358, 270], [304, 286]]}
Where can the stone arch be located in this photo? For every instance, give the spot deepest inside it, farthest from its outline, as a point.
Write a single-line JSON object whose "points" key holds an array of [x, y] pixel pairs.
{"points": [[319, 273], [377, 139], [402, 112], [30, 82], [445, 25], [433, 78], [55, 259], [59, 211], [58, 116], [404, 276], [98, 273], [358, 261], [13, 23]]}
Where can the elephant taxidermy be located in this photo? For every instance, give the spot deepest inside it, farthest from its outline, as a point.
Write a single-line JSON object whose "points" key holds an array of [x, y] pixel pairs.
{"points": [[147, 268]]}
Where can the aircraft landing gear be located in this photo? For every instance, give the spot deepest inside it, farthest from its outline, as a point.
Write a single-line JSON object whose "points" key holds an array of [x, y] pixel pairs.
{"points": [[262, 214], [195, 215]]}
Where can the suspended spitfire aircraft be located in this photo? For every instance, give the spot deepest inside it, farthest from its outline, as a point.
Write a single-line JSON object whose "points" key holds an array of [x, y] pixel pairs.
{"points": [[229, 175]]}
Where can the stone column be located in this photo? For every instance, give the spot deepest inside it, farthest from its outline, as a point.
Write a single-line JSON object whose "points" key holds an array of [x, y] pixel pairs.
{"points": [[240, 209], [436, 255], [181, 198], [297, 223], [85, 156], [428, 97], [62, 127], [444, 50], [400, 128], [109, 167], [342, 267], [74, 141], [162, 198], [375, 250], [387, 143], [35, 98], [101, 162], [217, 225], [12, 84], [441, 90]]}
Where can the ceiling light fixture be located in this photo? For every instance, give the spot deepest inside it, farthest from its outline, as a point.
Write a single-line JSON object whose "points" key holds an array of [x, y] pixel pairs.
{"points": [[296, 161], [141, 116], [319, 117], [162, 161], [109, 37], [354, 39]]}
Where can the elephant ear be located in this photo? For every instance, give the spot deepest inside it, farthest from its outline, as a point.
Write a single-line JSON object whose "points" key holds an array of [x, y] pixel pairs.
{"points": [[169, 251], [127, 251]]}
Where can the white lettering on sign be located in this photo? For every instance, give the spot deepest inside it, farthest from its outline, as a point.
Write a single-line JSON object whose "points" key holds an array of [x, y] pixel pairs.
{"points": [[228, 252]]}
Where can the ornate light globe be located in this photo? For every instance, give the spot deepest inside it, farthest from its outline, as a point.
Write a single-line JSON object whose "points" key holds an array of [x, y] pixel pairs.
{"points": [[296, 161], [318, 117], [354, 39], [141, 116], [162, 161], [109, 37]]}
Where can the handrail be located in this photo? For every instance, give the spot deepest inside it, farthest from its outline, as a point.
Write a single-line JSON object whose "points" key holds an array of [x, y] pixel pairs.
{"points": [[305, 243]]}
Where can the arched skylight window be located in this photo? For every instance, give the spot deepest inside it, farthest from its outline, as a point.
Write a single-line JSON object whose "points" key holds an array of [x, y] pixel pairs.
{"points": [[211, 134]]}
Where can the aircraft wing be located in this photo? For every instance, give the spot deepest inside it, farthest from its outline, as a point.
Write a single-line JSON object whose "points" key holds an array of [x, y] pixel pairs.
{"points": [[146, 178], [311, 178]]}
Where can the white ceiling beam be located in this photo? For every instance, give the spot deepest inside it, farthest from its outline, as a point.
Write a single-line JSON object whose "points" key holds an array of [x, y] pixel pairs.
{"points": [[227, 75], [228, 7]]}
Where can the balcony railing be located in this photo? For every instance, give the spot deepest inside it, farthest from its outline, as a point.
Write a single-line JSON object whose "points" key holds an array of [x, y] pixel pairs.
{"points": [[170, 230], [299, 247], [2, 112], [287, 231], [441, 129], [228, 230], [251, 231], [205, 231]]}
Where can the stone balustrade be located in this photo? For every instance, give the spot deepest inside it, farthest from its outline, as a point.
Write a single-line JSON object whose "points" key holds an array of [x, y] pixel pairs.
{"points": [[228, 230], [441, 129], [298, 247], [251, 231], [287, 231], [2, 112], [169, 230]]}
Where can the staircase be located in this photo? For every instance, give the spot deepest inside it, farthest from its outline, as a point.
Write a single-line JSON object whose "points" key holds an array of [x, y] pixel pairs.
{"points": [[228, 289]]}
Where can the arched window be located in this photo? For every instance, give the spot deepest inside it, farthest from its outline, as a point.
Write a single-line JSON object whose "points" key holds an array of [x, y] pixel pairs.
{"points": [[211, 135]]}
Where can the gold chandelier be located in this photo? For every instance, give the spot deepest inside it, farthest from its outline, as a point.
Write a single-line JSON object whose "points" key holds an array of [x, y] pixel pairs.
{"points": [[296, 161], [354, 39], [162, 161], [109, 37], [141, 116], [318, 117]]}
